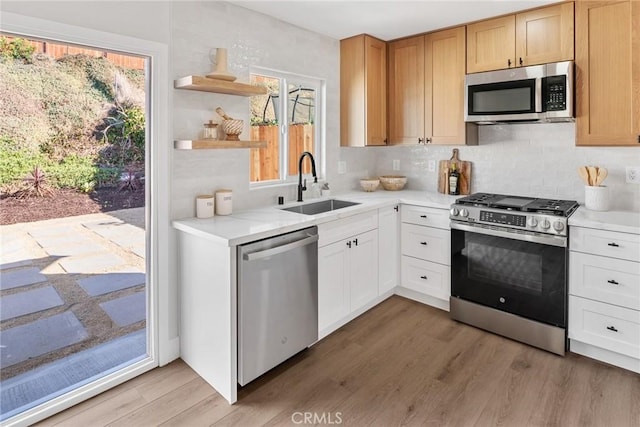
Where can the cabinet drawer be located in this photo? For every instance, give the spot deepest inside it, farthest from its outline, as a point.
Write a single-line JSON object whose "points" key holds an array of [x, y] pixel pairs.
{"points": [[607, 326], [609, 280], [426, 277], [333, 231], [427, 243], [608, 243], [430, 217]]}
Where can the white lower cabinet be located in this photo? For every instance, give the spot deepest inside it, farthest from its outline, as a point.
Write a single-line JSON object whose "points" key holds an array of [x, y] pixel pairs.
{"points": [[347, 274], [425, 266], [429, 278], [604, 296], [389, 248]]}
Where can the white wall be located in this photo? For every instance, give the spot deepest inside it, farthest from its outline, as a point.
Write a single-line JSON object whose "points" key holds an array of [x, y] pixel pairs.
{"points": [[539, 160], [252, 39]]}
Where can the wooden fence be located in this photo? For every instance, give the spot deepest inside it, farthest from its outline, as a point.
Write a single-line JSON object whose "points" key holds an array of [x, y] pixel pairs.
{"points": [[265, 161], [58, 50]]}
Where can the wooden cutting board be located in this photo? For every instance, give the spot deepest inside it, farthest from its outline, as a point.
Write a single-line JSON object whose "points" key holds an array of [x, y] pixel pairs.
{"points": [[465, 174]]}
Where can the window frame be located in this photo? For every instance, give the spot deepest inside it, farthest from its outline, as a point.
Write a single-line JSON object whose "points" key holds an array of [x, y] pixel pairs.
{"points": [[319, 137]]}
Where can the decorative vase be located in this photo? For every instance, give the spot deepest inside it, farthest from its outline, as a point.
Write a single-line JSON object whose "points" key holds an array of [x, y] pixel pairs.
{"points": [[220, 72]]}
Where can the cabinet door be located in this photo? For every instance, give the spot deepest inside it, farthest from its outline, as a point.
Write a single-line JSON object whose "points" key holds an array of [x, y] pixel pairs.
{"points": [[406, 91], [388, 248], [444, 87], [545, 35], [491, 44], [363, 276], [352, 92], [333, 283], [375, 61], [607, 73]]}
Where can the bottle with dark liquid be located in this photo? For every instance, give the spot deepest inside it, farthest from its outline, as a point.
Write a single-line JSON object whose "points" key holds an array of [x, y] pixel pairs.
{"points": [[454, 180]]}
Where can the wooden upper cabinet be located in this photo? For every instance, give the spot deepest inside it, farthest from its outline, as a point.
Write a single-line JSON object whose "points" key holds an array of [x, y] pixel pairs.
{"points": [[491, 44], [426, 90], [363, 91], [444, 89], [607, 73], [538, 36], [545, 35], [406, 90]]}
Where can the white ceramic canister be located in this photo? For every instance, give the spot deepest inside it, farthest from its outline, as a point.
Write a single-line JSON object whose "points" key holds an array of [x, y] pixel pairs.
{"points": [[204, 206], [596, 198], [224, 202]]}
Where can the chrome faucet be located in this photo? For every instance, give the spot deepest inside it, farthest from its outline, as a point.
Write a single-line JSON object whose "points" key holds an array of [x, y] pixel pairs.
{"points": [[302, 187]]}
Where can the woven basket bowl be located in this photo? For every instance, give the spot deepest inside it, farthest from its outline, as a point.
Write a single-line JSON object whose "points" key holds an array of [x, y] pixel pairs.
{"points": [[232, 128], [369, 184], [393, 182]]}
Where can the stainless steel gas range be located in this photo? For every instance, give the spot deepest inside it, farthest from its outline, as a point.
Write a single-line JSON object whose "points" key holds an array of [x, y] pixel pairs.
{"points": [[509, 259]]}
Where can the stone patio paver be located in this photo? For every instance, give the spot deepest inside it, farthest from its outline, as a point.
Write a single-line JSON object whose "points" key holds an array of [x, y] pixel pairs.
{"points": [[104, 283], [39, 337], [126, 310], [28, 302], [22, 277], [91, 264]]}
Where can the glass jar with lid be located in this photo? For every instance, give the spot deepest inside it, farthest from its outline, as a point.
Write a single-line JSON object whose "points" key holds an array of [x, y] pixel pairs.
{"points": [[210, 130]]}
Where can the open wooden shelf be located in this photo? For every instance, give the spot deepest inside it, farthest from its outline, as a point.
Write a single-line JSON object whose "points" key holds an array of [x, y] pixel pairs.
{"points": [[203, 144], [205, 84]]}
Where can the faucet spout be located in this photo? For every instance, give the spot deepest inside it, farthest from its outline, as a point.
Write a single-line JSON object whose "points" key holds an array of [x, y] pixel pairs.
{"points": [[302, 187]]}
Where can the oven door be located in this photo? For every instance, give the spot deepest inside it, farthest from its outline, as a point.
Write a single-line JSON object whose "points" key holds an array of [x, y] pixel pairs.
{"points": [[519, 273]]}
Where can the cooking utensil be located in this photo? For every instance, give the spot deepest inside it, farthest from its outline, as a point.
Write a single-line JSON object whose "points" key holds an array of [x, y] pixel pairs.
{"points": [[593, 173], [602, 174], [584, 174]]}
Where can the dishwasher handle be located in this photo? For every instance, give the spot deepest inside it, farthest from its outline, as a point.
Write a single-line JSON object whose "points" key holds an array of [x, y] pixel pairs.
{"points": [[252, 256]]}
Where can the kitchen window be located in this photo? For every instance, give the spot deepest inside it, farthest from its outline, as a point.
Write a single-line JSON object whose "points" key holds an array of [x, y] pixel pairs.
{"points": [[289, 117]]}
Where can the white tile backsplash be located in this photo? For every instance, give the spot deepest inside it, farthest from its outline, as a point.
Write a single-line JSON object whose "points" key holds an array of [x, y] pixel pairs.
{"points": [[539, 160]]}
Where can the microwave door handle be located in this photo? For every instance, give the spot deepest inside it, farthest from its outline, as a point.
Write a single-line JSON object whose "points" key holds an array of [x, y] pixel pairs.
{"points": [[538, 95]]}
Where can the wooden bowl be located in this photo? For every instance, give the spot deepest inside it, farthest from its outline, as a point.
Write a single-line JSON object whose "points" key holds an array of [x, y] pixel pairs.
{"points": [[393, 182], [232, 128], [369, 184]]}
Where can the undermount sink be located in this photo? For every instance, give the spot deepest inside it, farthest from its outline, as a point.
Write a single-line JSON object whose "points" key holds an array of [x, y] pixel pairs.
{"points": [[320, 207]]}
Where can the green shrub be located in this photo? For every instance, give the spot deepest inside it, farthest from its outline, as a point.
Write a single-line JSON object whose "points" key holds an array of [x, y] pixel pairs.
{"points": [[15, 164], [74, 172], [16, 48]]}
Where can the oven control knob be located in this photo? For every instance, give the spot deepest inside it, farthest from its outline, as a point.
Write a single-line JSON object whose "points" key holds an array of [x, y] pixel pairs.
{"points": [[532, 222], [558, 226], [464, 213], [545, 224], [454, 211]]}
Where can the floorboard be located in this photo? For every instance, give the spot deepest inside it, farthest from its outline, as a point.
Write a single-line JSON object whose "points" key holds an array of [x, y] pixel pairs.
{"points": [[401, 363]]}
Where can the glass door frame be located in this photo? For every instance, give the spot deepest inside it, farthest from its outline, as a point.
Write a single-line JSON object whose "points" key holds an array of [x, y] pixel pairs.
{"points": [[157, 215]]}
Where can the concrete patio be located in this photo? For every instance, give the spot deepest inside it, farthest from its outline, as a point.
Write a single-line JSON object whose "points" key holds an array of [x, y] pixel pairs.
{"points": [[72, 302]]}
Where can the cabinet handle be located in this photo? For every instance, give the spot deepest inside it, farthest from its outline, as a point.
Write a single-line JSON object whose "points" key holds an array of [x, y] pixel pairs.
{"points": [[428, 141], [423, 277], [423, 216], [385, 141], [420, 140], [509, 63], [521, 63], [638, 139], [423, 243], [613, 282], [612, 328], [395, 208], [349, 245], [615, 245], [355, 242]]}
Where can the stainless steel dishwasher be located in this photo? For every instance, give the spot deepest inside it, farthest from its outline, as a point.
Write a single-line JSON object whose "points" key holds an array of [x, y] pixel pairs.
{"points": [[277, 300]]}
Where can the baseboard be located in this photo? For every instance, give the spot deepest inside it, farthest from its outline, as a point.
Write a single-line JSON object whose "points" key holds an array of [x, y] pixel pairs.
{"points": [[606, 356], [169, 351], [422, 298]]}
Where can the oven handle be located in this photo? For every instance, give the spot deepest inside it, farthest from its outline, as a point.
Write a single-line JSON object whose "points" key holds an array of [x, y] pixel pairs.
{"points": [[544, 240]]}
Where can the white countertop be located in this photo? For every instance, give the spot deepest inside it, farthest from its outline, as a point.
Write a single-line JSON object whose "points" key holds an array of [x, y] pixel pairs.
{"points": [[622, 221], [249, 225]]}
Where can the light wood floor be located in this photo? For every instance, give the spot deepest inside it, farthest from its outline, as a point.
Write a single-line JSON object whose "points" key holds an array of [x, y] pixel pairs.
{"points": [[401, 363]]}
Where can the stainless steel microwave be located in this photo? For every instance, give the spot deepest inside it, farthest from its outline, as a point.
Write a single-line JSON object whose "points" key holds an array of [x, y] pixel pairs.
{"points": [[538, 93]]}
